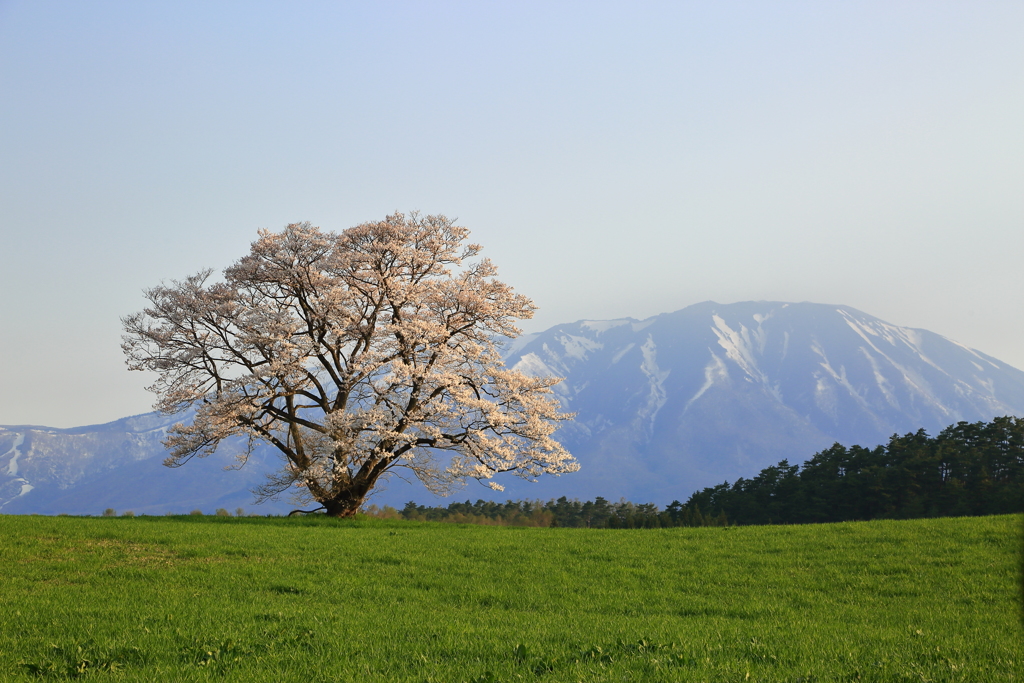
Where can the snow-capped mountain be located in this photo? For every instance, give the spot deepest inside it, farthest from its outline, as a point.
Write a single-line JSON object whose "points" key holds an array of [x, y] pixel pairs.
{"points": [[712, 392], [664, 406], [119, 465]]}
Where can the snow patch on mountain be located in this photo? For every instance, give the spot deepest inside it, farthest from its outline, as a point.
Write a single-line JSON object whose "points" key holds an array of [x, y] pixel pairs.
{"points": [[622, 352], [715, 371], [825, 392], [600, 326], [740, 347], [15, 453], [656, 381], [974, 353], [880, 380], [863, 331], [892, 335], [578, 347], [912, 339], [22, 484]]}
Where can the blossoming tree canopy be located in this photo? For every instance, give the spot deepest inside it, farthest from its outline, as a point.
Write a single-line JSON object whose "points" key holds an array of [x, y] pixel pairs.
{"points": [[354, 354]]}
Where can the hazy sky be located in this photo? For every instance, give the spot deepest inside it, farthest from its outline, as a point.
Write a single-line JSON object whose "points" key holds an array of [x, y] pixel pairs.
{"points": [[614, 159]]}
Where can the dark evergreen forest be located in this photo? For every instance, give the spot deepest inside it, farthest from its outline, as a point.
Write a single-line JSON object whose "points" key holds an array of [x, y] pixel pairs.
{"points": [[968, 469], [562, 512]]}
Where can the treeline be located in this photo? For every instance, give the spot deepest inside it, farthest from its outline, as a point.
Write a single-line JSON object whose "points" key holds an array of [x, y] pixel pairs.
{"points": [[968, 469], [597, 513]]}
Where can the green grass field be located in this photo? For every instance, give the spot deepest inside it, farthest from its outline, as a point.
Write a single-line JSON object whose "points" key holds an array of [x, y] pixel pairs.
{"points": [[312, 599]]}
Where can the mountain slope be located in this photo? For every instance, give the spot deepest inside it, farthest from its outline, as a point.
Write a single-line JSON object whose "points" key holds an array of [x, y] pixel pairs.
{"points": [[712, 392], [85, 470]]}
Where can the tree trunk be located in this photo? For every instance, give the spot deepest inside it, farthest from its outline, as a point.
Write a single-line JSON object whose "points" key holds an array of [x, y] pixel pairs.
{"points": [[345, 507], [347, 501]]}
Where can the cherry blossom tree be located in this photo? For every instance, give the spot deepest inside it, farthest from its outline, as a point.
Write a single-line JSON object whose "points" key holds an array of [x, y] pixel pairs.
{"points": [[357, 355]]}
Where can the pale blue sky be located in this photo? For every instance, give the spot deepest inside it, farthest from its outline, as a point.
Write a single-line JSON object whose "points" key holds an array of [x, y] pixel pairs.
{"points": [[614, 159]]}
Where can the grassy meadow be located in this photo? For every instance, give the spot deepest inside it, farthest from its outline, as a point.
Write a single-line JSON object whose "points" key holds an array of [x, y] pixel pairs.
{"points": [[313, 599]]}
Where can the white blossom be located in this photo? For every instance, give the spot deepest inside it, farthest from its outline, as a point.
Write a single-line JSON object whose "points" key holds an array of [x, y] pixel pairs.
{"points": [[354, 354]]}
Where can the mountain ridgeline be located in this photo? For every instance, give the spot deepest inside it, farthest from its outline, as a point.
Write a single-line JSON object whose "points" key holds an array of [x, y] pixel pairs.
{"points": [[665, 406]]}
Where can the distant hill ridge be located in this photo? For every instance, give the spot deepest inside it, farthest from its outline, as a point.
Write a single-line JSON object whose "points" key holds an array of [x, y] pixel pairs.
{"points": [[666, 406]]}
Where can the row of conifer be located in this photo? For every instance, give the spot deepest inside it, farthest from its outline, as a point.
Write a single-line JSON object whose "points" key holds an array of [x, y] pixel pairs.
{"points": [[967, 469]]}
